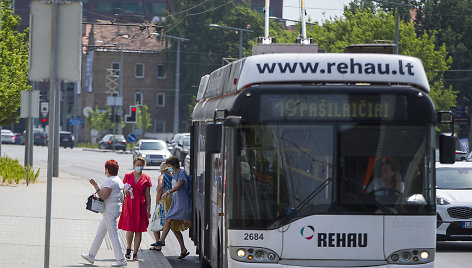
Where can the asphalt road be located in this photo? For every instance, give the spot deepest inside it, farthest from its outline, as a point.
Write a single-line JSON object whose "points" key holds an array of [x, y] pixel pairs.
{"points": [[91, 164]]}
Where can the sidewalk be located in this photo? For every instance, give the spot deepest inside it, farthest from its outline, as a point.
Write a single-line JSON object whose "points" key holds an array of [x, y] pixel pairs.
{"points": [[22, 227]]}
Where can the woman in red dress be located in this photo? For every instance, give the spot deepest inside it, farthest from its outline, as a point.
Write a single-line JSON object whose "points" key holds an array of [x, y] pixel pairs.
{"points": [[137, 206]]}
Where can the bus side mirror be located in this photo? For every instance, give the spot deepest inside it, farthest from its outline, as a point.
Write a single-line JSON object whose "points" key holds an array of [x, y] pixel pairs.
{"points": [[213, 138], [447, 149]]}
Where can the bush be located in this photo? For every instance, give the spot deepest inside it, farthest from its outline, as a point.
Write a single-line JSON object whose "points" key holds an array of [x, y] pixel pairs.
{"points": [[86, 145], [11, 171]]}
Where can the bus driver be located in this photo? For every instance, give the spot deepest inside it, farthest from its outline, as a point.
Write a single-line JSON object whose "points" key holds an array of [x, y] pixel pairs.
{"points": [[389, 183]]}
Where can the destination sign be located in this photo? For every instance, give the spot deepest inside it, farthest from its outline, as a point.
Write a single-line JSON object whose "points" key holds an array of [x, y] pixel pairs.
{"points": [[333, 107]]}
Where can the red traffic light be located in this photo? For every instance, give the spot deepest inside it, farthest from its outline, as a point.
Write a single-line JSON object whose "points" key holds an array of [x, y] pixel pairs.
{"points": [[44, 120], [133, 109]]}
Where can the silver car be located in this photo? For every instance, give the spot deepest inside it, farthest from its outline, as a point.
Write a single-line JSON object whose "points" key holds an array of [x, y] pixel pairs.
{"points": [[153, 151], [454, 201], [8, 136]]}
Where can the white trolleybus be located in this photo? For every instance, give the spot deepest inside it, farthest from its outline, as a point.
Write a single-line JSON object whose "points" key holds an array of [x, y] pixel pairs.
{"points": [[315, 160]]}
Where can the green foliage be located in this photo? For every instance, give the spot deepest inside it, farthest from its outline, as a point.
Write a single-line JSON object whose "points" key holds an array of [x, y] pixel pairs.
{"points": [[452, 22], [11, 171], [13, 65], [86, 145], [100, 120], [207, 46], [144, 118]]}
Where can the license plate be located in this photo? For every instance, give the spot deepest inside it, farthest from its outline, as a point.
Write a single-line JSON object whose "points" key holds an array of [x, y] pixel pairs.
{"points": [[467, 224]]}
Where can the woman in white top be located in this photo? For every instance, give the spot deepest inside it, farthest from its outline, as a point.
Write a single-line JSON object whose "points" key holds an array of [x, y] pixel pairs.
{"points": [[111, 192]]}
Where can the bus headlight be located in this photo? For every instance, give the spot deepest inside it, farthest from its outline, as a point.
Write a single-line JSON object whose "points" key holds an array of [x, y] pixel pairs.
{"points": [[241, 253], [412, 256], [424, 255], [253, 255]]}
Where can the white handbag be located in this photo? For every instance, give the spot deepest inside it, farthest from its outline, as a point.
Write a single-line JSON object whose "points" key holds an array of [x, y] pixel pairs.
{"points": [[95, 203]]}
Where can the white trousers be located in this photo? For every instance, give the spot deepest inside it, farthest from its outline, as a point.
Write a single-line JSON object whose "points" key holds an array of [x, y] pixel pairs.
{"points": [[110, 225]]}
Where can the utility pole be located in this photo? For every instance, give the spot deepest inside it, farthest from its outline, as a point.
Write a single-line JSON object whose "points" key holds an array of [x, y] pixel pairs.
{"points": [[177, 79]]}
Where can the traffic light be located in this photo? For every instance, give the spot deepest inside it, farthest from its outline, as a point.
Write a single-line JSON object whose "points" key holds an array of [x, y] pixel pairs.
{"points": [[133, 115], [44, 122]]}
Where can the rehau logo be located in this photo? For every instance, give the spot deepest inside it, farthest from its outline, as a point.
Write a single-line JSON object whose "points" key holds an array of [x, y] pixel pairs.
{"points": [[307, 232], [335, 240]]}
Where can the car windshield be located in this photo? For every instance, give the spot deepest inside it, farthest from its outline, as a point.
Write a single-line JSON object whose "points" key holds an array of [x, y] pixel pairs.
{"points": [[151, 146], [454, 178], [187, 141]]}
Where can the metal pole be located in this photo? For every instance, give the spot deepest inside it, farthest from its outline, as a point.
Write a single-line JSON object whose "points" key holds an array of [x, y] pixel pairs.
{"points": [[74, 127], [121, 90], [177, 90], [397, 18], [303, 20], [56, 127], [240, 44], [52, 114], [30, 119]]}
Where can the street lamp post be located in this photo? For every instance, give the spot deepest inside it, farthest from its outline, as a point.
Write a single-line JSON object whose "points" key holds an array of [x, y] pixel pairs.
{"points": [[397, 18], [240, 35], [177, 79]]}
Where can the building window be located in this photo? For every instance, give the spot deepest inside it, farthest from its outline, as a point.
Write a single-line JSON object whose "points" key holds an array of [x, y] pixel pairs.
{"points": [[161, 72], [139, 70], [115, 66], [159, 126], [138, 98], [160, 99]]}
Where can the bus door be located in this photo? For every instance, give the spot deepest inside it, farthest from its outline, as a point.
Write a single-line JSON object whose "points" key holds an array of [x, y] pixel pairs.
{"points": [[214, 198]]}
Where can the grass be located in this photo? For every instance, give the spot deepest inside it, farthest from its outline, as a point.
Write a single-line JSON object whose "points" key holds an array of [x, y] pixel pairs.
{"points": [[89, 145], [12, 171]]}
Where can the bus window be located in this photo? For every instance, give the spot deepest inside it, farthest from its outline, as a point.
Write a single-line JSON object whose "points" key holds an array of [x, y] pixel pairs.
{"points": [[396, 152], [280, 168]]}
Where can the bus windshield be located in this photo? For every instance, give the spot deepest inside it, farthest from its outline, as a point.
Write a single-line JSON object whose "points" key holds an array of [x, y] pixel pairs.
{"points": [[289, 171]]}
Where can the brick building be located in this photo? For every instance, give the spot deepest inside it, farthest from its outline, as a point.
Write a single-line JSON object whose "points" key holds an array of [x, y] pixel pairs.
{"points": [[145, 78]]}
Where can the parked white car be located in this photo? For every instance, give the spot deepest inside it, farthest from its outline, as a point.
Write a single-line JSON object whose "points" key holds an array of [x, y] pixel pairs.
{"points": [[8, 136], [153, 151], [454, 201]]}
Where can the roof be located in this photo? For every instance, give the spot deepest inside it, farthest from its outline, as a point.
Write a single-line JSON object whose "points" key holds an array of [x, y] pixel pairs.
{"points": [[114, 37], [344, 68]]}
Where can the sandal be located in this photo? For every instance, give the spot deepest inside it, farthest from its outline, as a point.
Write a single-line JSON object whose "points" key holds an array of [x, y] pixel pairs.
{"points": [[135, 257], [158, 244], [128, 253], [155, 248], [183, 255]]}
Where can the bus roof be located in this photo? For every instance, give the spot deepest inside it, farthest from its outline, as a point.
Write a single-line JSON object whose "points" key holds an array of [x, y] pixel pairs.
{"points": [[315, 67]]}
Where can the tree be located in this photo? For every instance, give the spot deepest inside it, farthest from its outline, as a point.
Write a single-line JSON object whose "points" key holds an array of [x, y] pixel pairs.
{"points": [[100, 120], [144, 118], [207, 46], [13, 65], [365, 26], [451, 20]]}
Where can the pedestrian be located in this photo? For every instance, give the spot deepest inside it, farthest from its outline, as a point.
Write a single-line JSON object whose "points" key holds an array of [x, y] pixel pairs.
{"points": [[136, 207], [111, 192], [180, 210], [164, 183]]}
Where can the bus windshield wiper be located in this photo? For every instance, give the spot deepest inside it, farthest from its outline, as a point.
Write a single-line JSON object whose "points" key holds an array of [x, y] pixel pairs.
{"points": [[302, 204]]}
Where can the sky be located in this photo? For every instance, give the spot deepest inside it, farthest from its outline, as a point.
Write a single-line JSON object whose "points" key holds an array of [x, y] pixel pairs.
{"points": [[317, 10]]}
